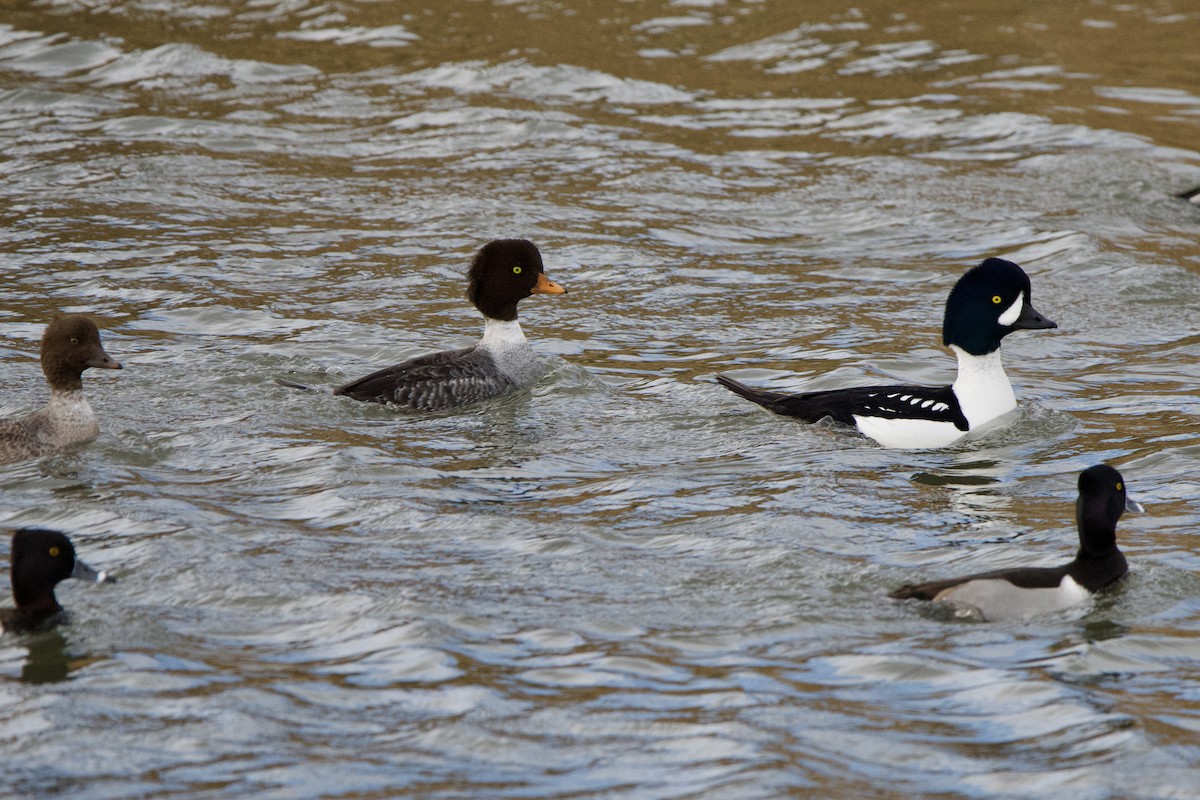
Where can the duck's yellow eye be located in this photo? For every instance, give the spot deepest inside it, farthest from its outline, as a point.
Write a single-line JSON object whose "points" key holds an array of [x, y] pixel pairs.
{"points": [[996, 299], [74, 340], [1119, 486], [516, 270], [54, 552]]}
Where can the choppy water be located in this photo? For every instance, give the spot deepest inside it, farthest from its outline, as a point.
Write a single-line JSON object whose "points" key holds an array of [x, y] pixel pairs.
{"points": [[628, 582]]}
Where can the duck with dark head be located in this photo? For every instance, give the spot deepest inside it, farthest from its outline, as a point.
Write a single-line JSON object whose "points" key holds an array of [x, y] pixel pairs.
{"points": [[503, 273], [70, 345], [41, 559]]}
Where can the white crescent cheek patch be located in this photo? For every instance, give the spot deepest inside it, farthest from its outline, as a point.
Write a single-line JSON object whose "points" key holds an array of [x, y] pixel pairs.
{"points": [[1014, 311]]}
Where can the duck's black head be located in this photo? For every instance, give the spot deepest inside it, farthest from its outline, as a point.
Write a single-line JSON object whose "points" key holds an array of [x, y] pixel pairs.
{"points": [[505, 272], [41, 559], [989, 302], [1102, 501], [70, 345]]}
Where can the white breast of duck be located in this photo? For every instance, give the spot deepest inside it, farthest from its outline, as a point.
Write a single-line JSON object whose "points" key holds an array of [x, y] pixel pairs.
{"points": [[982, 387]]}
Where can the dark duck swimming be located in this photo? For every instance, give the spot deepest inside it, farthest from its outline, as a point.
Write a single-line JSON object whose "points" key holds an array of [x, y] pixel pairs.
{"points": [[40, 560], [503, 273], [1026, 591]]}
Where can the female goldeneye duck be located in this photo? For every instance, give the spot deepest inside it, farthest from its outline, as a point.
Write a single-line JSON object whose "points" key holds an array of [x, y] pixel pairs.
{"points": [[40, 560], [503, 273], [1025, 591], [70, 345], [988, 303]]}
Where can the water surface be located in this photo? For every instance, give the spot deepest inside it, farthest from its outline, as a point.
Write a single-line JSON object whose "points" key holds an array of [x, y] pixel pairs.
{"points": [[626, 582]]}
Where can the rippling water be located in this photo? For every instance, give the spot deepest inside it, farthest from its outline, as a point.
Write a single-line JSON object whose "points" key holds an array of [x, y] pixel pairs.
{"points": [[627, 582]]}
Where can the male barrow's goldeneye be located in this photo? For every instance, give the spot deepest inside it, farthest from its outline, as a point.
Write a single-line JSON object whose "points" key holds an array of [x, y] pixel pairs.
{"points": [[989, 302], [504, 272], [40, 560], [1025, 591], [70, 345]]}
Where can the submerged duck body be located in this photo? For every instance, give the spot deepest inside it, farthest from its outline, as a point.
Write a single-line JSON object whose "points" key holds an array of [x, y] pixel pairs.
{"points": [[990, 301], [1026, 591], [41, 559], [70, 345], [503, 273]]}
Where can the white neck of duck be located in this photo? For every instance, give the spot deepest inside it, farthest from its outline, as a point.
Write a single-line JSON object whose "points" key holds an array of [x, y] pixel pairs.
{"points": [[982, 388], [505, 342], [501, 335]]}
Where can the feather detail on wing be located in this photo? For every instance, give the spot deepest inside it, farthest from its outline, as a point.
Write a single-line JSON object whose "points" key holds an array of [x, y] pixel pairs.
{"points": [[22, 436], [436, 381]]}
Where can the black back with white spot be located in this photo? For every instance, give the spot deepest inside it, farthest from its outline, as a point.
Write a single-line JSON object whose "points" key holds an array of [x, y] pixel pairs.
{"points": [[932, 403], [1021, 577]]}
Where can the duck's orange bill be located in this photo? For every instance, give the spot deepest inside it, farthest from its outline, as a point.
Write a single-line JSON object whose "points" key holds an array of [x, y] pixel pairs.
{"points": [[546, 286]]}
